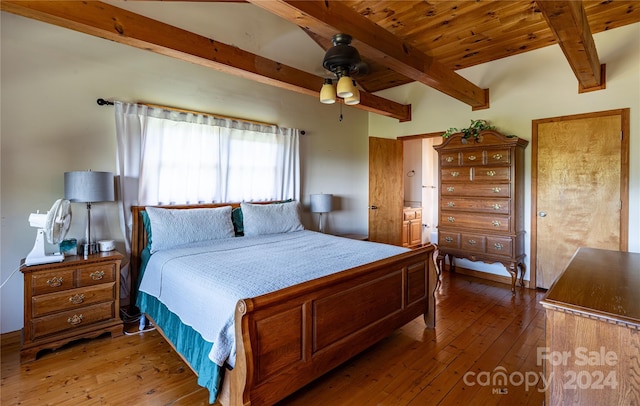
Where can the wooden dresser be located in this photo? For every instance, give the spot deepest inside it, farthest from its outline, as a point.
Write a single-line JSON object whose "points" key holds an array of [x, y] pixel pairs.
{"points": [[592, 353], [411, 227], [72, 299], [481, 205]]}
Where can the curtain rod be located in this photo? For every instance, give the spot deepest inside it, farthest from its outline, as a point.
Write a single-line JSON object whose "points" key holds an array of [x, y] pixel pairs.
{"points": [[103, 102]]}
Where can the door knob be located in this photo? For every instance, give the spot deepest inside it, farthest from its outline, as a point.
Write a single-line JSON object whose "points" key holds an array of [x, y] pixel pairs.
{"points": [[373, 207], [542, 214]]}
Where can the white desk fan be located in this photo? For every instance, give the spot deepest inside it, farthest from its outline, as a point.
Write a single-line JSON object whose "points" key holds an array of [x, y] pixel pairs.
{"points": [[53, 226]]}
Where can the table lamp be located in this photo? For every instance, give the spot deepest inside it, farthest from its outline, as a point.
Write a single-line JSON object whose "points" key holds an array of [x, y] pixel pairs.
{"points": [[321, 203], [88, 187]]}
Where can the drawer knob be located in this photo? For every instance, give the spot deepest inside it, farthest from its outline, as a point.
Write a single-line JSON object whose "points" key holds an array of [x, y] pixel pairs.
{"points": [[55, 281], [496, 206], [495, 223], [498, 246], [497, 157], [496, 190], [491, 173], [77, 299], [472, 158], [448, 239], [97, 275], [449, 159], [450, 189], [451, 219], [472, 242], [455, 174], [451, 204], [75, 319]]}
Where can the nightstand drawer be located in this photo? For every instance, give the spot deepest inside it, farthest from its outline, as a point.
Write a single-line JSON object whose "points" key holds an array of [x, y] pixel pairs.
{"points": [[71, 299], [53, 281], [78, 318], [94, 275]]}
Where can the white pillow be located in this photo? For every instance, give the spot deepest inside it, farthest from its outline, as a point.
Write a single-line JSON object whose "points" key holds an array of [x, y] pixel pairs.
{"points": [[172, 227], [270, 218]]}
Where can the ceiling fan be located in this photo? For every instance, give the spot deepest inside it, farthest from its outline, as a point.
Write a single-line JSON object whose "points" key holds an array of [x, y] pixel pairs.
{"points": [[345, 63]]}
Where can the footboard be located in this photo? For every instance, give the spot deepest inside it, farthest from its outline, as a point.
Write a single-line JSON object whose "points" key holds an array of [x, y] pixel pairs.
{"points": [[288, 338]]}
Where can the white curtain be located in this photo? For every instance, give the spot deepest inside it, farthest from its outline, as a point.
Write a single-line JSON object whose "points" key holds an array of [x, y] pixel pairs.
{"points": [[169, 157]]}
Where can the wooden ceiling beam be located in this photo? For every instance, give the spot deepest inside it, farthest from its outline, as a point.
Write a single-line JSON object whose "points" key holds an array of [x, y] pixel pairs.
{"points": [[326, 18], [124, 27], [568, 22]]}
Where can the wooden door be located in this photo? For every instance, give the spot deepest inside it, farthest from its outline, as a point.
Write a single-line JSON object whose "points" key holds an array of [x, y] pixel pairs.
{"points": [[579, 188], [386, 190]]}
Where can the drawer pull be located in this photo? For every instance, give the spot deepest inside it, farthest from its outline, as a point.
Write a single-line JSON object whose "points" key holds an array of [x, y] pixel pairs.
{"points": [[472, 242], [55, 281], [451, 204], [450, 189], [497, 157], [455, 174], [498, 246], [449, 159], [491, 173], [77, 299], [496, 206], [495, 223], [97, 275], [472, 158], [451, 219], [75, 319], [496, 190], [448, 239]]}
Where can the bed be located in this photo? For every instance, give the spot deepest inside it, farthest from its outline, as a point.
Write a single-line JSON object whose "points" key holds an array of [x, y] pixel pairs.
{"points": [[285, 336]]}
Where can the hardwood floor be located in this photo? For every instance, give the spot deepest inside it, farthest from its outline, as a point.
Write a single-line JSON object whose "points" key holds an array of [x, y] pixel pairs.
{"points": [[482, 331]]}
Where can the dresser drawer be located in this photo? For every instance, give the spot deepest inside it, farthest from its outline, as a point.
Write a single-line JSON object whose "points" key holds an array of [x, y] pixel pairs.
{"points": [[497, 206], [476, 190], [473, 242], [73, 319], [500, 245], [455, 174], [93, 275], [473, 157], [499, 156], [476, 221], [450, 159], [448, 239], [491, 174], [71, 299], [53, 281]]}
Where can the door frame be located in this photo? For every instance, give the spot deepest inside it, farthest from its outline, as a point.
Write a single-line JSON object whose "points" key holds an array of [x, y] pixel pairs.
{"points": [[624, 115]]}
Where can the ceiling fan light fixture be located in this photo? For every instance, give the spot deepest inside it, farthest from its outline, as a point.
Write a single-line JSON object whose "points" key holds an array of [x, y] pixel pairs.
{"points": [[353, 99], [345, 87], [328, 92]]}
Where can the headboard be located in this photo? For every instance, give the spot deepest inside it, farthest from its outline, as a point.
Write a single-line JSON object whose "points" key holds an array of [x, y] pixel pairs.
{"points": [[139, 237]]}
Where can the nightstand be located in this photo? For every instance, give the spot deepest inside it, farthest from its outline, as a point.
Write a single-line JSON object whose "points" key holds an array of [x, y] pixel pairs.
{"points": [[68, 300]]}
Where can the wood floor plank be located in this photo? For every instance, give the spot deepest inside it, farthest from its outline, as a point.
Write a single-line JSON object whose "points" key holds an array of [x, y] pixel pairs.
{"points": [[480, 326]]}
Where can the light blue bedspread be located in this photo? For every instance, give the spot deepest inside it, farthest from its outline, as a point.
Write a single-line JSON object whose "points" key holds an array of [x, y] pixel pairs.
{"points": [[200, 282]]}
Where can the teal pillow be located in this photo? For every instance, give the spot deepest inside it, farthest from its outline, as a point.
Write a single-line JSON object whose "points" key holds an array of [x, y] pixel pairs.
{"points": [[147, 227], [237, 220]]}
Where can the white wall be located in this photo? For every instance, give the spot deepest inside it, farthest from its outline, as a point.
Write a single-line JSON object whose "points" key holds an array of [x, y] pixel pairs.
{"points": [[50, 80], [535, 85]]}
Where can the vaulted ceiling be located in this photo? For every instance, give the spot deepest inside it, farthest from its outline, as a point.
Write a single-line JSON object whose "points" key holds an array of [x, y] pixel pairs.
{"points": [[401, 41]]}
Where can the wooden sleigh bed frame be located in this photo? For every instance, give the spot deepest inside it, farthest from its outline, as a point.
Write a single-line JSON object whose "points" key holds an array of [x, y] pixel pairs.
{"points": [[288, 338]]}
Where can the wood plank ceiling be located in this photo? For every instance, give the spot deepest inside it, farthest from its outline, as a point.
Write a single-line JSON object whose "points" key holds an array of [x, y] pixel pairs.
{"points": [[401, 41]]}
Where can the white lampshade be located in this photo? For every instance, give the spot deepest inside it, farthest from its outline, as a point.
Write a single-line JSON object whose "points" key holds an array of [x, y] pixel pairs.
{"points": [[88, 186], [345, 87], [355, 98], [321, 203], [328, 92]]}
